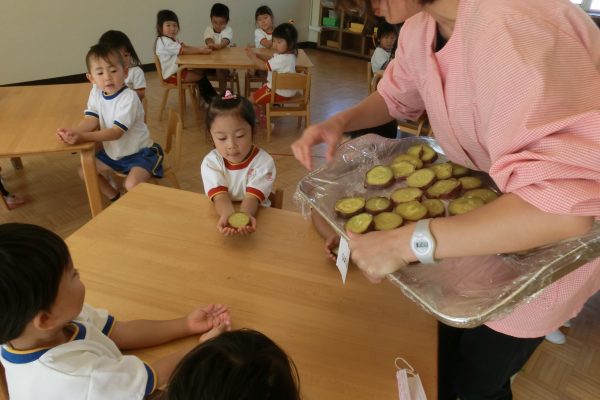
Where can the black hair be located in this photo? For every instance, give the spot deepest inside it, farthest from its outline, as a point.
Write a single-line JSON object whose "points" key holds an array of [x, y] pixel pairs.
{"points": [[163, 16], [236, 105], [103, 51], [119, 40], [236, 365], [32, 262], [385, 29], [263, 10], [287, 32], [220, 10]]}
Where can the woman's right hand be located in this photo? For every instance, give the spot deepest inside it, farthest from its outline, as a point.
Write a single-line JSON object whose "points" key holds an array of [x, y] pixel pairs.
{"points": [[329, 132]]}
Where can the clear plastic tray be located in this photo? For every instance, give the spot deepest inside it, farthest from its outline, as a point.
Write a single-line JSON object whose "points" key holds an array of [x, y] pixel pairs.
{"points": [[462, 292]]}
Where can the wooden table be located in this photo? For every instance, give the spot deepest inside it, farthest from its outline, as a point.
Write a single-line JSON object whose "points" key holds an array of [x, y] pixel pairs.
{"points": [[29, 117], [156, 253]]}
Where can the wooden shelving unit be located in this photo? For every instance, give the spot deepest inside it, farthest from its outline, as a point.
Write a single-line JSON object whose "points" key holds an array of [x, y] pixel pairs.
{"points": [[341, 38]]}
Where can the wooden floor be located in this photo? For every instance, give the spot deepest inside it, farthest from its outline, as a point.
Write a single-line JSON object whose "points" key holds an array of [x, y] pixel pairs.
{"points": [[57, 200]]}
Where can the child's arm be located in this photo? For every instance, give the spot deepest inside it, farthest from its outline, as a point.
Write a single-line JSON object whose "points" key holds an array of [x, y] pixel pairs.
{"points": [[86, 131], [266, 43], [217, 46], [141, 93], [224, 208], [259, 63], [250, 206], [185, 49], [331, 237]]}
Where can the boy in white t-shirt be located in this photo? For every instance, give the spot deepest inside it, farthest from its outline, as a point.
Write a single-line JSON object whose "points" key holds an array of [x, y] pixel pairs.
{"points": [[386, 37], [263, 34], [219, 36], [55, 347]]}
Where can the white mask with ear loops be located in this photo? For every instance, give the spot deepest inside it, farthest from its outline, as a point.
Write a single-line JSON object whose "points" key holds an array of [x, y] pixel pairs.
{"points": [[409, 382]]}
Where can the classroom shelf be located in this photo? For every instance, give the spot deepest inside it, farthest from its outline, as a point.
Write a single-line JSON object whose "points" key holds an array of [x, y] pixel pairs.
{"points": [[343, 40]]}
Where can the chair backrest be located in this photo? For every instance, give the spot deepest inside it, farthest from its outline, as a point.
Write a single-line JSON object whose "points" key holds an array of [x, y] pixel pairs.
{"points": [[276, 198], [159, 71], [173, 144], [292, 81], [370, 77]]}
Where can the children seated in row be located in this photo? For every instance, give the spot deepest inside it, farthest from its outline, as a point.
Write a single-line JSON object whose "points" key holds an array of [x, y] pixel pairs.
{"points": [[235, 365], [236, 170], [386, 38], [167, 48], [115, 117], [135, 79], [218, 36], [56, 347], [263, 34]]}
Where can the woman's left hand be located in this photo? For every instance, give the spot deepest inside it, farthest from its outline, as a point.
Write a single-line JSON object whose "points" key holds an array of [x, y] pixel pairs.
{"points": [[378, 253]]}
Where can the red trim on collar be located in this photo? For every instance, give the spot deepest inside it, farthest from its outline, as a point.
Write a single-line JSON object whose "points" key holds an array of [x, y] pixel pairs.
{"points": [[243, 164]]}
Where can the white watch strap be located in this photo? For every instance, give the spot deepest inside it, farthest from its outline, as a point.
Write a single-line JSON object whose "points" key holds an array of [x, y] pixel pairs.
{"points": [[423, 243]]}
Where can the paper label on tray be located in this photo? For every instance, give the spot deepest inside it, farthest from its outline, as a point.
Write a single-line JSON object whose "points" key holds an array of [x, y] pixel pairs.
{"points": [[343, 258]]}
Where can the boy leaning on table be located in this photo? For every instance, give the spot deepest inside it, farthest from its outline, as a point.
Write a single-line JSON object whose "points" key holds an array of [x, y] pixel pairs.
{"points": [[55, 347]]}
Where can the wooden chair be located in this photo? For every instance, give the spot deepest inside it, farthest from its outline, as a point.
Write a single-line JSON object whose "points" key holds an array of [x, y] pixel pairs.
{"points": [[232, 80], [418, 127], [296, 106], [251, 79], [276, 198], [145, 106], [191, 87], [370, 77]]}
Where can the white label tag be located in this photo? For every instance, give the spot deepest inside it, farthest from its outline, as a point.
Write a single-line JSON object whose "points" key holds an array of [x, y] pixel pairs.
{"points": [[343, 258]]}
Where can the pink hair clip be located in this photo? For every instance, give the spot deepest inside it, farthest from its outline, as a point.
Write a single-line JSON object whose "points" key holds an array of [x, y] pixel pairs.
{"points": [[229, 95]]}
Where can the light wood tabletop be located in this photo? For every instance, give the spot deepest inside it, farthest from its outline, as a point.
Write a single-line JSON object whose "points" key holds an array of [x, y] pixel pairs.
{"points": [[29, 117], [235, 58], [156, 253]]}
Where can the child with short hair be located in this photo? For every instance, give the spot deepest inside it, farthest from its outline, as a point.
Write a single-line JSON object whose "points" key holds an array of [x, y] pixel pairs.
{"points": [[386, 37], [263, 34], [115, 117], [218, 35], [242, 364], [56, 347], [167, 48], [285, 44], [236, 170], [135, 76]]}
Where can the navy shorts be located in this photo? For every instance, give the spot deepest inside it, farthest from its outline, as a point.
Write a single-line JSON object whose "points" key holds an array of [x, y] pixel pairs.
{"points": [[149, 158]]}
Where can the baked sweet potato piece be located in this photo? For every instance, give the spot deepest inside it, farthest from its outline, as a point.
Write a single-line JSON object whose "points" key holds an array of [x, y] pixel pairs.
{"points": [[459, 170], [484, 194], [444, 189], [421, 178], [407, 194], [442, 170], [411, 211], [348, 207], [238, 220], [424, 152], [387, 221], [402, 169], [463, 205], [414, 160], [435, 207], [379, 177], [376, 205], [360, 223], [470, 182]]}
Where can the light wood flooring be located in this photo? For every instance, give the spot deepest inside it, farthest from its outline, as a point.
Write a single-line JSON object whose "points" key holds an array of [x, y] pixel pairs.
{"points": [[57, 200]]}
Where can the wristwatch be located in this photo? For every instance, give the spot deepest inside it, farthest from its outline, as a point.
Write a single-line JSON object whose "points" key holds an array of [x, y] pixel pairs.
{"points": [[422, 242]]}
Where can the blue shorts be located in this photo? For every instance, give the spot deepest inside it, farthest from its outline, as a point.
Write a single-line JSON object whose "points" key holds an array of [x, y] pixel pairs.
{"points": [[149, 158]]}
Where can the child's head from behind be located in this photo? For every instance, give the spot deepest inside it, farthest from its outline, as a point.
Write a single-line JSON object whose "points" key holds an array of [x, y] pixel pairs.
{"points": [[106, 68], [230, 122], [219, 16], [264, 18], [236, 365], [167, 24], [118, 40], [285, 38], [38, 284], [386, 35]]}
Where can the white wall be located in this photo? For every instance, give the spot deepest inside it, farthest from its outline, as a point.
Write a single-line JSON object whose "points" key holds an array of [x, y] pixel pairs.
{"points": [[47, 39]]}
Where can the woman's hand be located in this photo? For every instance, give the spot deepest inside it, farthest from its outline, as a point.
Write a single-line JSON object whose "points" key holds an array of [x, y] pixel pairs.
{"points": [[329, 132], [378, 253], [330, 244]]}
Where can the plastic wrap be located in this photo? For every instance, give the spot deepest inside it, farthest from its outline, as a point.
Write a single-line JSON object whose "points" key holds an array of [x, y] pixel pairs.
{"points": [[462, 292]]}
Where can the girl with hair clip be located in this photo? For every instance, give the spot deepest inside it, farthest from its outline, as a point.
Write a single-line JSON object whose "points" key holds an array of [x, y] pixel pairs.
{"points": [[236, 170], [167, 48], [511, 89], [135, 76]]}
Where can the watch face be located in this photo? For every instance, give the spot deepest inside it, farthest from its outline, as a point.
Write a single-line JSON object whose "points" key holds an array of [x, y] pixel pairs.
{"points": [[421, 246]]}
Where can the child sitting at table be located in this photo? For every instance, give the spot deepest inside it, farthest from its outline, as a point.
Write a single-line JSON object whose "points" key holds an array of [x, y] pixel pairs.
{"points": [[56, 347], [167, 48], [219, 36], [115, 117], [263, 34], [386, 37], [236, 170], [135, 76], [242, 364]]}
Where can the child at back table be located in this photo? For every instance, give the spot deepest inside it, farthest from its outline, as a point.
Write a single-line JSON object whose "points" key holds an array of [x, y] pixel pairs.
{"points": [[135, 76], [386, 37], [219, 36], [263, 34], [237, 365], [167, 48], [55, 347], [236, 170], [115, 117]]}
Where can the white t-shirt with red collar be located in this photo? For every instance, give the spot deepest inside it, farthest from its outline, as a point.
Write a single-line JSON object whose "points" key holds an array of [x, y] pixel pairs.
{"points": [[167, 50], [254, 176], [281, 63]]}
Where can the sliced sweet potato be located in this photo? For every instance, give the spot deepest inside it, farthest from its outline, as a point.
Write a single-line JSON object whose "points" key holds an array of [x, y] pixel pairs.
{"points": [[424, 152], [470, 182], [404, 195], [444, 189], [238, 220], [379, 177], [348, 207], [463, 205], [442, 170], [459, 170], [435, 207], [402, 169], [387, 221], [484, 194], [360, 223], [411, 211], [414, 160], [422, 178], [375, 205]]}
